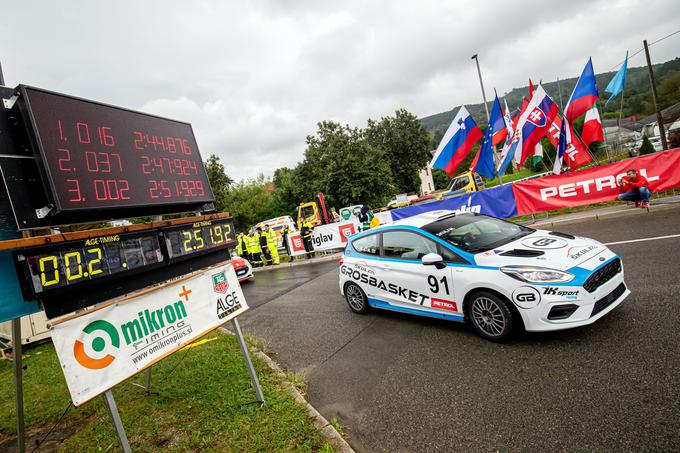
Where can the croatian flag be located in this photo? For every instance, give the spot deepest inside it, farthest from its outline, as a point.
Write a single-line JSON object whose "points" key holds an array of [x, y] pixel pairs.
{"points": [[584, 95], [532, 125], [457, 142]]}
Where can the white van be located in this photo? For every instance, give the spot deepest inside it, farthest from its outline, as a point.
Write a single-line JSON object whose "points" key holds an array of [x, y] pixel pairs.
{"points": [[277, 224]]}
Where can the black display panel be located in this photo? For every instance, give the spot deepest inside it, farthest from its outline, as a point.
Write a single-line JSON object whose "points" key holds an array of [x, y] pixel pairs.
{"points": [[96, 157], [51, 268], [199, 237]]}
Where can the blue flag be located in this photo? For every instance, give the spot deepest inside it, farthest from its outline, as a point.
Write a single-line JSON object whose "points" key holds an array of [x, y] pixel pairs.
{"points": [[618, 83], [484, 163]]}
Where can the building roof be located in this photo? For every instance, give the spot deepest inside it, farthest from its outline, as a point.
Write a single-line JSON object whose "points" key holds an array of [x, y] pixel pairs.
{"points": [[668, 114], [625, 124]]}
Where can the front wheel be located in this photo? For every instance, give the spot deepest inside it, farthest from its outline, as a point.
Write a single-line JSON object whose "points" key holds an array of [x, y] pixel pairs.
{"points": [[356, 298], [490, 316]]}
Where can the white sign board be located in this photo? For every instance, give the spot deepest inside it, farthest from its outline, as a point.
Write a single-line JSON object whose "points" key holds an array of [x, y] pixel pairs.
{"points": [[295, 244], [333, 235], [108, 345]]}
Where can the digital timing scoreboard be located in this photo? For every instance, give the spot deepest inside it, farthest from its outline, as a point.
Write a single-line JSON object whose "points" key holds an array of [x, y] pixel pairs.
{"points": [[80, 160], [105, 266]]}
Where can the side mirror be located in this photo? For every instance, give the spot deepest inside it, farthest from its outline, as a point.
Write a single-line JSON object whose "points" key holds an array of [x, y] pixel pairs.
{"points": [[433, 259]]}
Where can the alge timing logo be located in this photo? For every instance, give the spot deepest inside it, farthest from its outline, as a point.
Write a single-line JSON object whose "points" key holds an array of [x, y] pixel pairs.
{"points": [[99, 336]]}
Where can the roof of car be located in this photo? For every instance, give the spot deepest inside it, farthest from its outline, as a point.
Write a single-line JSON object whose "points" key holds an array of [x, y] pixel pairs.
{"points": [[425, 218]]}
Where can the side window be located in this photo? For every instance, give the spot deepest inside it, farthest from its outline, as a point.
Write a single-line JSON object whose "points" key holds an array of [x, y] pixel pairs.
{"points": [[368, 245], [406, 245], [450, 257]]}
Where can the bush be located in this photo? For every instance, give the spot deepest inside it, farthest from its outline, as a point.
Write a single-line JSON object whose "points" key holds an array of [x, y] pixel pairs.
{"points": [[646, 147]]}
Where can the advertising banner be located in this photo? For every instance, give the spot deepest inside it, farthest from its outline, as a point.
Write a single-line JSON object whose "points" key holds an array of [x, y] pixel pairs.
{"points": [[333, 235], [595, 185], [108, 345], [496, 202], [295, 244]]}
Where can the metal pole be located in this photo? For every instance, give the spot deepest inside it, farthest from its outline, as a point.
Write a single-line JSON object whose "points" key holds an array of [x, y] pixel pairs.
{"points": [[117, 422], [249, 363], [148, 381], [479, 72], [2, 77], [659, 119], [559, 89], [18, 384]]}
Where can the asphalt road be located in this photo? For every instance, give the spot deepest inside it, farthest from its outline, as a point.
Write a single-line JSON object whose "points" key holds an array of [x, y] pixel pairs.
{"points": [[404, 383]]}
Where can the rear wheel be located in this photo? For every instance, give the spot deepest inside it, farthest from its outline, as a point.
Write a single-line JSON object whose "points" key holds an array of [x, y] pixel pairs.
{"points": [[356, 298], [490, 316]]}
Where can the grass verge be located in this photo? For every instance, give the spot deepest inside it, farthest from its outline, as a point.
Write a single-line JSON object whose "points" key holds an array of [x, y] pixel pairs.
{"points": [[201, 399]]}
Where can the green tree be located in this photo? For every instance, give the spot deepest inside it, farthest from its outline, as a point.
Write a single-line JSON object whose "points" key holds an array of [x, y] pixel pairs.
{"points": [[646, 147], [340, 163], [290, 191], [441, 179], [406, 144], [219, 181], [669, 91], [251, 202]]}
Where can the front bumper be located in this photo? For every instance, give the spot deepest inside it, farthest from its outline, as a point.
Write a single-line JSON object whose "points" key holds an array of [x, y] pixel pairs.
{"points": [[557, 312]]}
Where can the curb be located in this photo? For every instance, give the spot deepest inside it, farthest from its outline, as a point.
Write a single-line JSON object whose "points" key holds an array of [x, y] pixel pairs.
{"points": [[331, 435], [606, 215], [322, 259]]}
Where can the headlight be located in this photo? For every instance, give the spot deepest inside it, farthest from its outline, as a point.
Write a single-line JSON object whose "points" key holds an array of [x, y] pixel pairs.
{"points": [[536, 274]]}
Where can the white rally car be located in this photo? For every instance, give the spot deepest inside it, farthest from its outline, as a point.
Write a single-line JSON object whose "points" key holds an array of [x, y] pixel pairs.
{"points": [[495, 274]]}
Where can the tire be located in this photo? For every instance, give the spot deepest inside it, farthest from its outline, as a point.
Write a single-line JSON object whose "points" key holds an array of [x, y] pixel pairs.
{"points": [[356, 298], [490, 316]]}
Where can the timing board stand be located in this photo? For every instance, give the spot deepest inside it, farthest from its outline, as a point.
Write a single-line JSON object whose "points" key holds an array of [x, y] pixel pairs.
{"points": [[18, 384], [249, 364], [117, 422]]}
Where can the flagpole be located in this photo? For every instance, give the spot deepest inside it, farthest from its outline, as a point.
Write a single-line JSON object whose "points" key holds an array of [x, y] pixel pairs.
{"points": [[486, 108], [604, 131], [621, 116], [578, 136]]}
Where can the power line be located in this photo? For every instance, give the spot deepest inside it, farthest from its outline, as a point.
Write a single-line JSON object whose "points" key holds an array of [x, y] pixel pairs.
{"points": [[649, 45]]}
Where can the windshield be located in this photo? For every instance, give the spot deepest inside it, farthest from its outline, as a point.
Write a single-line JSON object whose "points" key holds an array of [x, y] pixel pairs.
{"points": [[476, 233]]}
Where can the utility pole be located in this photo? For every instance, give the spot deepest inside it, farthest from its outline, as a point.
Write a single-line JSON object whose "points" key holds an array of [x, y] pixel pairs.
{"points": [[2, 78], [659, 119]]}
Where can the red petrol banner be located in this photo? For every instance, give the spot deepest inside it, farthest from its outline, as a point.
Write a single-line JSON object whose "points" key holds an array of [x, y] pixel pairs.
{"points": [[595, 185]]}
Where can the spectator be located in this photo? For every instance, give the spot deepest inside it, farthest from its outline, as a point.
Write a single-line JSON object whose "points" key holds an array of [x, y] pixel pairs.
{"points": [[634, 188]]}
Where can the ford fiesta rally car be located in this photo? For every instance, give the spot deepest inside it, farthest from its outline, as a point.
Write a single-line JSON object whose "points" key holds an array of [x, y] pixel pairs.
{"points": [[243, 269], [492, 273]]}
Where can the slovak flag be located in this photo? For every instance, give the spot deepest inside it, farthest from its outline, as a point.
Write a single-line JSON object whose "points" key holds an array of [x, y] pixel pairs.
{"points": [[592, 127], [457, 142], [584, 95], [570, 149], [532, 125]]}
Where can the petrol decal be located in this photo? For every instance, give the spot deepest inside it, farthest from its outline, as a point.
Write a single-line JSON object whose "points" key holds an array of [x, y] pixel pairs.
{"points": [[545, 243], [444, 304], [526, 297]]}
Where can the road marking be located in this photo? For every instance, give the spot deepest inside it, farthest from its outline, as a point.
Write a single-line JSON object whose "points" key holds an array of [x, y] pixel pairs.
{"points": [[643, 239]]}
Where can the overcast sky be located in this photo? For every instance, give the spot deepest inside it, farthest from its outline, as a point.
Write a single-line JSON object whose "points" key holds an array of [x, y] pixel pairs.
{"points": [[254, 77]]}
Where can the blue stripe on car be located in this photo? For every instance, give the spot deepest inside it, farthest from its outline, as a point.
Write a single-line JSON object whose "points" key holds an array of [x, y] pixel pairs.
{"points": [[387, 306]]}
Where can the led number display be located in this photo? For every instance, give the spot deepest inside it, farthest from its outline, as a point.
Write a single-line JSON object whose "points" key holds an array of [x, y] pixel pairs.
{"points": [[198, 237], [75, 262], [96, 156]]}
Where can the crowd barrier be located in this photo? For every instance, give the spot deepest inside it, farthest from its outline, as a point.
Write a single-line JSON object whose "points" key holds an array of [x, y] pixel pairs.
{"points": [[582, 187]]}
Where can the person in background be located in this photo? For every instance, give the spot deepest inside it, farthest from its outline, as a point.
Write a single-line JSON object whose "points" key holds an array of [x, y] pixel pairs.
{"points": [[306, 234], [254, 249], [240, 246], [266, 253], [272, 244], [634, 187], [284, 237]]}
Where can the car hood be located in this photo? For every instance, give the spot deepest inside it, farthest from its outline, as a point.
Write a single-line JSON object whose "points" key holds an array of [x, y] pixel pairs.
{"points": [[545, 249]]}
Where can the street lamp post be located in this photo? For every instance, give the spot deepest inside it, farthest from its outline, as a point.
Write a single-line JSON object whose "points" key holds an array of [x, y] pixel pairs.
{"points": [[486, 109]]}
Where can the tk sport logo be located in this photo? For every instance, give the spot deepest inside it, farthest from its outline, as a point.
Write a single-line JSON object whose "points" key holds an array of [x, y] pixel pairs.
{"points": [[220, 283], [91, 352]]}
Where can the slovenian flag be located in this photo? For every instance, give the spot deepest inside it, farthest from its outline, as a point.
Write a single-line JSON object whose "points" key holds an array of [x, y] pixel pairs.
{"points": [[584, 95], [457, 142]]}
